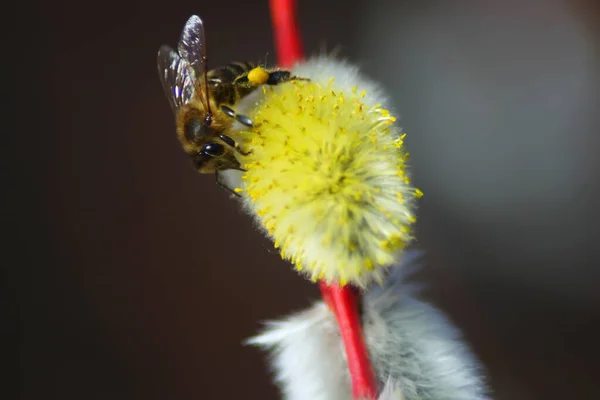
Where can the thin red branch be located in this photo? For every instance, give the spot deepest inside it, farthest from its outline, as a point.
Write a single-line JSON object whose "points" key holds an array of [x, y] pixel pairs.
{"points": [[343, 301], [288, 43]]}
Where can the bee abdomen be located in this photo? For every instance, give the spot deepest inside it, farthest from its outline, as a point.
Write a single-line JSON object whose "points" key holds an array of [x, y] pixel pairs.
{"points": [[241, 67], [225, 91], [228, 73]]}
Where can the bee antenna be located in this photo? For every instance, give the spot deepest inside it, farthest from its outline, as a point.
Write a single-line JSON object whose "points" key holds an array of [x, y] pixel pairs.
{"points": [[205, 77], [205, 71]]}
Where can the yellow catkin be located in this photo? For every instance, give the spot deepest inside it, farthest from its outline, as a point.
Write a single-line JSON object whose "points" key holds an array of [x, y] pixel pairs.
{"points": [[327, 180]]}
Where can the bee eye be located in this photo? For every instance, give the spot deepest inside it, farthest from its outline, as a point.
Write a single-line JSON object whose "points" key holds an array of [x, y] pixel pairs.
{"points": [[195, 128], [213, 149]]}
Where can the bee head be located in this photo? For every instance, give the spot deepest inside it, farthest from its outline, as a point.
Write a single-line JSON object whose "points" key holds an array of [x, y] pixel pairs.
{"points": [[203, 139]]}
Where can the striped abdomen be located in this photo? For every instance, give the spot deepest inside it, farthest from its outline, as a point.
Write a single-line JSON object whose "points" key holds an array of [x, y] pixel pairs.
{"points": [[222, 78]]}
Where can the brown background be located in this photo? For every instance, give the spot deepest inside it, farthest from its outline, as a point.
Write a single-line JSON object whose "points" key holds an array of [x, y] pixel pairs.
{"points": [[134, 277]]}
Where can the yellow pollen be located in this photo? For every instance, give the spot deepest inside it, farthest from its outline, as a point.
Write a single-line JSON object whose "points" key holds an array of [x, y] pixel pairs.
{"points": [[258, 76]]}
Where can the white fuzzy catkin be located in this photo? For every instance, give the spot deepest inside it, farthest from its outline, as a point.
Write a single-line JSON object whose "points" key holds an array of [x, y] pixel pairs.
{"points": [[416, 352]]}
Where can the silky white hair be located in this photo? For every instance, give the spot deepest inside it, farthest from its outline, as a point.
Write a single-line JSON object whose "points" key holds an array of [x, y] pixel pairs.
{"points": [[416, 352]]}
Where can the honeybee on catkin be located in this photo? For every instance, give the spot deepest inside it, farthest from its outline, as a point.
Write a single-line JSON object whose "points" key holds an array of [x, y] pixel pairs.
{"points": [[204, 101]]}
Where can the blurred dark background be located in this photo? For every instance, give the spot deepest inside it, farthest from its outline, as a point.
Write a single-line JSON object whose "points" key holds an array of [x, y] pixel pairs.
{"points": [[131, 276]]}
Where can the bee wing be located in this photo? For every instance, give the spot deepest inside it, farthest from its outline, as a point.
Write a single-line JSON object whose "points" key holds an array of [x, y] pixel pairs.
{"points": [[176, 77], [192, 46]]}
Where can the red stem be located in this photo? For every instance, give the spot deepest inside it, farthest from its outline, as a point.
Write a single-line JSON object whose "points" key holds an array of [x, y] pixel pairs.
{"points": [[343, 301], [287, 36]]}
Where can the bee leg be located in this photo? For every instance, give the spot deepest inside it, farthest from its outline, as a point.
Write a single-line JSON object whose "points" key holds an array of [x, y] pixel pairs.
{"points": [[228, 140], [260, 76], [244, 153], [242, 119], [233, 144], [223, 186], [277, 77]]}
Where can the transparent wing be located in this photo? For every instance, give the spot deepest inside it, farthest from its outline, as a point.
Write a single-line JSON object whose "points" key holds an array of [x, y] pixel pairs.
{"points": [[192, 46], [176, 77]]}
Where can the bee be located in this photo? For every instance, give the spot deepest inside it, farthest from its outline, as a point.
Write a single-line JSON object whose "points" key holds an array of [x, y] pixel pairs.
{"points": [[203, 100]]}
